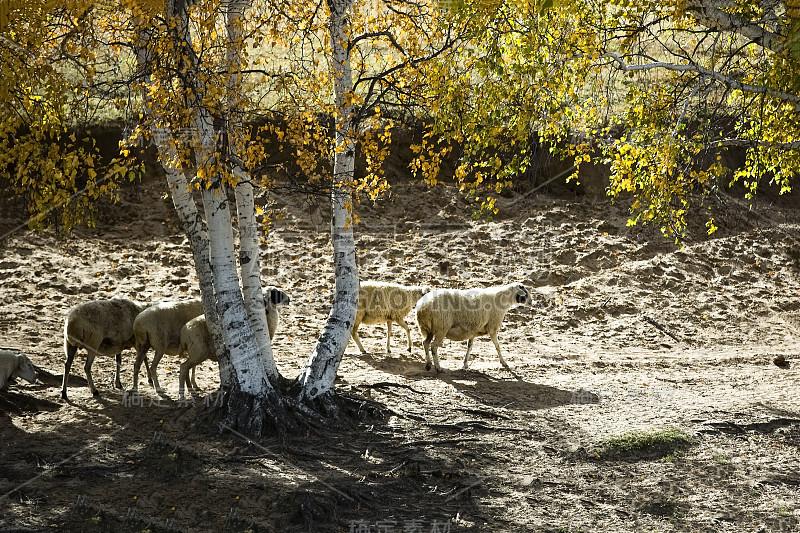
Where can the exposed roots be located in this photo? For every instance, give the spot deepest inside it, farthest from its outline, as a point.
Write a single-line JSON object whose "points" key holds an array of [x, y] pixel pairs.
{"points": [[338, 411], [257, 416], [288, 414]]}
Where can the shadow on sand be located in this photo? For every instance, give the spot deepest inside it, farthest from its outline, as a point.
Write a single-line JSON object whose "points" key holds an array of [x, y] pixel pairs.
{"points": [[489, 390]]}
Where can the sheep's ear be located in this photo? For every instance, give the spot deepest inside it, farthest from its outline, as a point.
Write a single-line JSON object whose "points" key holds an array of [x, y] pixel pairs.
{"points": [[277, 296]]}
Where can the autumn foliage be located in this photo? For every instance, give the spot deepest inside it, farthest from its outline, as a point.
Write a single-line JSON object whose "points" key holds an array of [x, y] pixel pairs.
{"points": [[650, 89]]}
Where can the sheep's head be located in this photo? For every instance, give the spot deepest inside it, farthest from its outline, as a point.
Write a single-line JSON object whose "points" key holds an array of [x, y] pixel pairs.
{"points": [[275, 296], [25, 369], [522, 296]]}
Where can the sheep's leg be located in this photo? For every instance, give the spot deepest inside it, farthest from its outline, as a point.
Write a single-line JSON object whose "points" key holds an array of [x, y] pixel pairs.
{"points": [[147, 369], [194, 383], [500, 355], [466, 355], [117, 382], [388, 336], [354, 334], [88, 369], [71, 351], [408, 332], [437, 341], [154, 371], [183, 378], [426, 344], [141, 357]]}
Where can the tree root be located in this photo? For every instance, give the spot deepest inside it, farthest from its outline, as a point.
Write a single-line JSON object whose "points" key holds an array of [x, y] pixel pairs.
{"points": [[257, 416], [286, 413]]}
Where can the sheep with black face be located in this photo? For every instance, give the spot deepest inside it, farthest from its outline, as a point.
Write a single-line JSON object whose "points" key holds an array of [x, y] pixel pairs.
{"points": [[160, 326], [198, 346], [462, 315]]}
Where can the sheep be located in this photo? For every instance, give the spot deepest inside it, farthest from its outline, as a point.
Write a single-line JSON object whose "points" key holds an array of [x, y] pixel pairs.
{"points": [[159, 327], [15, 365], [385, 302], [465, 314], [197, 343], [103, 327]]}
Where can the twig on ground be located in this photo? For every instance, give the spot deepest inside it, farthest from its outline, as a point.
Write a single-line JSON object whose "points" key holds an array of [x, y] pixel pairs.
{"points": [[476, 424], [396, 469], [441, 441], [661, 328], [382, 384], [483, 412]]}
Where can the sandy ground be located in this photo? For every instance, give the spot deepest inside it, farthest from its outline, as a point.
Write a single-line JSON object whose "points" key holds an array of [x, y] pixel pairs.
{"points": [[477, 450]]}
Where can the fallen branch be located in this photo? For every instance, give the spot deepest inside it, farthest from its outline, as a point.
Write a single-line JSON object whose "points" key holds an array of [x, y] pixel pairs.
{"points": [[442, 441], [661, 328], [475, 424], [382, 384], [484, 413]]}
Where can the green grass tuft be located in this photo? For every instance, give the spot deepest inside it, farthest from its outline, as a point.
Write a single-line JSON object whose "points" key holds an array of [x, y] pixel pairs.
{"points": [[656, 443]]}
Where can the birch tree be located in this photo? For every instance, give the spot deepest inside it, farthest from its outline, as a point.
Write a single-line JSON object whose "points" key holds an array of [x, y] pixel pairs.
{"points": [[191, 69]]}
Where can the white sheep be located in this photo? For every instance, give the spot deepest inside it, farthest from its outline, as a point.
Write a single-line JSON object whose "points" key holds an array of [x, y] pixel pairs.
{"points": [[103, 327], [15, 365], [197, 344], [465, 314], [159, 327], [380, 302]]}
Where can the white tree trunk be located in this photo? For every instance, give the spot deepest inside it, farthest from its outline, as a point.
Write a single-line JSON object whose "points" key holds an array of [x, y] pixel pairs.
{"points": [[320, 370], [250, 267], [249, 251], [193, 225], [197, 232], [242, 347], [253, 404], [243, 352]]}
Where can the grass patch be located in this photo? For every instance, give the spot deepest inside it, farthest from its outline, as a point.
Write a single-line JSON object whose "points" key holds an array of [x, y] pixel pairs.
{"points": [[652, 444]]}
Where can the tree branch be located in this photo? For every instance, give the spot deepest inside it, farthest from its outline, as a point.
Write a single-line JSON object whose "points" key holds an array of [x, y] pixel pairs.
{"points": [[373, 34], [710, 14], [752, 143], [693, 67]]}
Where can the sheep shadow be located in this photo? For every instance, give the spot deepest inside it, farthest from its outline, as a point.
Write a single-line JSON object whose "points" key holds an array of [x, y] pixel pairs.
{"points": [[514, 394], [17, 403], [486, 389]]}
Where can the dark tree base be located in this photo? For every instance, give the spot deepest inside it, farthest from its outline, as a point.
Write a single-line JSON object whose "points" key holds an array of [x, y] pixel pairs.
{"points": [[287, 414], [256, 416]]}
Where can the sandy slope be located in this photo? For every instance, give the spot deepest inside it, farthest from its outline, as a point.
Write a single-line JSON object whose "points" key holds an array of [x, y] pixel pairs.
{"points": [[482, 449]]}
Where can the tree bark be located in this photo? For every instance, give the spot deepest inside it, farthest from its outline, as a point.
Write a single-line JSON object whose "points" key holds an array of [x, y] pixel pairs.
{"points": [[316, 381], [181, 193], [716, 15], [249, 385], [230, 302], [249, 251], [250, 268]]}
